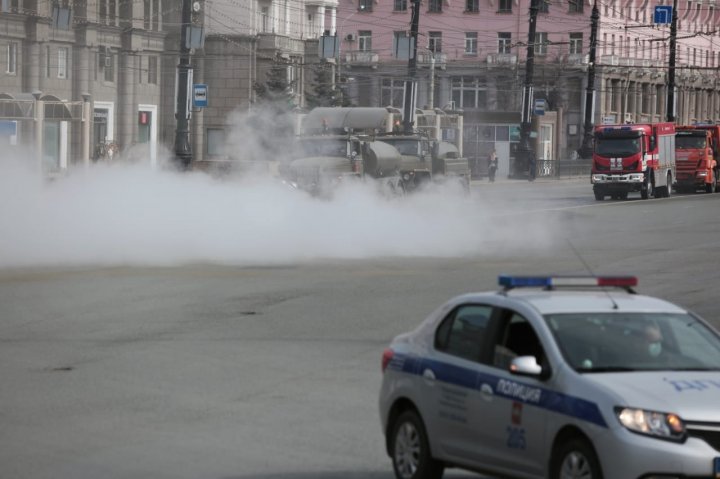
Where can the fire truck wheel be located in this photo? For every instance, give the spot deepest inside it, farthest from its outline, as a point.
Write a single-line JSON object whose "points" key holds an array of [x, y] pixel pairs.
{"points": [[712, 186], [646, 190], [599, 196], [667, 191]]}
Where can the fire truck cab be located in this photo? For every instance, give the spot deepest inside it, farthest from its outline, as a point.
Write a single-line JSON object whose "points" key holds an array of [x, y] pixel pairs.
{"points": [[696, 152], [633, 157]]}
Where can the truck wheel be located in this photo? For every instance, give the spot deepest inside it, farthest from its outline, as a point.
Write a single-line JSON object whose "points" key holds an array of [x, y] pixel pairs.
{"points": [[645, 191], [712, 186], [667, 192], [599, 196]]}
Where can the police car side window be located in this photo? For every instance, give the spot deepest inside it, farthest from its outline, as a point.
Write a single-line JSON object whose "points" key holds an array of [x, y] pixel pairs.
{"points": [[462, 333], [516, 338]]}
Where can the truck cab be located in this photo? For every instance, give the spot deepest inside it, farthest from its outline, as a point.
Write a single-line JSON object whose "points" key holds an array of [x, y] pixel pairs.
{"points": [[633, 158], [425, 159], [696, 155]]}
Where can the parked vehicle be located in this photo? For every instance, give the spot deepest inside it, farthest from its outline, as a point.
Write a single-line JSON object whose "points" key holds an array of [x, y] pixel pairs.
{"points": [[634, 157], [696, 151]]}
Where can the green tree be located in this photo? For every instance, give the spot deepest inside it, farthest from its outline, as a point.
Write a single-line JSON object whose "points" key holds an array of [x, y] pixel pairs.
{"points": [[276, 91], [323, 92]]}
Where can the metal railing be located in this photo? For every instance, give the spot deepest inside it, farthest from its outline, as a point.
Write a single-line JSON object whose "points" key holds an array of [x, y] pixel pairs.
{"points": [[562, 168]]}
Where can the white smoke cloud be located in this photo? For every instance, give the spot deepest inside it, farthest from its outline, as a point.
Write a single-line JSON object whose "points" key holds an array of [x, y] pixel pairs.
{"points": [[131, 214]]}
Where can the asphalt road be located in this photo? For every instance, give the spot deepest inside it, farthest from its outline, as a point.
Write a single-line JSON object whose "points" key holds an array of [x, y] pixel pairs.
{"points": [[271, 370]]}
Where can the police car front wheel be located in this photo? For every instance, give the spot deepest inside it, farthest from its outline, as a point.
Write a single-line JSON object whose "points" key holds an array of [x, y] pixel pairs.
{"points": [[411, 451], [575, 459]]}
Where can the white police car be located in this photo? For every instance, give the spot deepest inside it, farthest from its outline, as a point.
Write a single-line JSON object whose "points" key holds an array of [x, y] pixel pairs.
{"points": [[542, 381]]}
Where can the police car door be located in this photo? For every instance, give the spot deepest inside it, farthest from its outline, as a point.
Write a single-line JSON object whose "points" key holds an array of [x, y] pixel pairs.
{"points": [[510, 406], [449, 378]]}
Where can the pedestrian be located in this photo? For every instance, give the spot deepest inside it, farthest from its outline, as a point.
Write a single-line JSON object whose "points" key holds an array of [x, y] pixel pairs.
{"points": [[492, 166]]}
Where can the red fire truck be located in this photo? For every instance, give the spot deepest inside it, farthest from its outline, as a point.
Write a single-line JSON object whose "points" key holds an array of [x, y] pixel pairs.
{"points": [[633, 157], [696, 150]]}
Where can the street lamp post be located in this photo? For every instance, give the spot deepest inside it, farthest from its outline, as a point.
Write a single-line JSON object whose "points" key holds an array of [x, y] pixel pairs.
{"points": [[525, 151], [586, 148]]}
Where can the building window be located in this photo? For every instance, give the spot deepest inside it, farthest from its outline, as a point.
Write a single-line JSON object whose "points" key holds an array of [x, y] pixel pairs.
{"points": [[472, 5], [147, 14], [48, 56], [504, 42], [543, 6], [576, 43], [151, 15], [109, 67], [10, 6], [505, 6], [435, 41], [265, 19], [106, 12], [365, 40], [62, 62], [575, 94], [392, 92], [215, 141], [469, 92], [152, 70], [365, 5], [12, 58], [541, 43], [575, 6], [435, 6], [471, 43], [400, 5]]}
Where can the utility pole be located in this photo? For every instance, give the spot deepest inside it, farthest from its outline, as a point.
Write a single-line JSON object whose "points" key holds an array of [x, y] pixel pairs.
{"points": [[412, 69], [671, 69], [525, 152], [587, 145], [183, 150]]}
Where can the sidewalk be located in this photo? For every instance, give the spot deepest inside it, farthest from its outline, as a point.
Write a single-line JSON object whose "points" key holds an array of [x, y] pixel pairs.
{"points": [[539, 179]]}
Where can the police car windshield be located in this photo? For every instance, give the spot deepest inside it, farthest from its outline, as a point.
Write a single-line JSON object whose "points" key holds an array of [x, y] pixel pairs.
{"points": [[617, 342]]}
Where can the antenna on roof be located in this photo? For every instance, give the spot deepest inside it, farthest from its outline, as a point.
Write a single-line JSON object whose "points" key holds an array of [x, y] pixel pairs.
{"points": [[587, 267]]}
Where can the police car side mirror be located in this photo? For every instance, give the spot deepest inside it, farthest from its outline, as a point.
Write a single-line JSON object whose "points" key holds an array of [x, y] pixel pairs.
{"points": [[525, 366]]}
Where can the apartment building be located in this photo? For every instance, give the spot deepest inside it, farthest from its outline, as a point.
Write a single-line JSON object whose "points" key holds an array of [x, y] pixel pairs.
{"points": [[471, 55], [79, 77]]}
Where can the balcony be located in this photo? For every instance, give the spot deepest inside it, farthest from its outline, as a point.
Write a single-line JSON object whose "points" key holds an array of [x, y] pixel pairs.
{"points": [[610, 60], [502, 59], [362, 58], [280, 43], [426, 59], [577, 59]]}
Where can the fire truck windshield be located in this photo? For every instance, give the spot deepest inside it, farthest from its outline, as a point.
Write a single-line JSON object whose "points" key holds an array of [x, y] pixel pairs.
{"points": [[617, 147]]}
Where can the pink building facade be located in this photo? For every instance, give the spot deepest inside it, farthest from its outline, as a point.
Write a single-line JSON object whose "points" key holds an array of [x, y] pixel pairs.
{"points": [[471, 56]]}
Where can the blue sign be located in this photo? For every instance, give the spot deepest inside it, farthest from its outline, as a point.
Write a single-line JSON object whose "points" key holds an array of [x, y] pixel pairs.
{"points": [[663, 14], [539, 107], [200, 95]]}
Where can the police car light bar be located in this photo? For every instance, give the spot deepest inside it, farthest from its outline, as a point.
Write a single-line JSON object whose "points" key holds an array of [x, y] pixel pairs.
{"points": [[550, 282]]}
